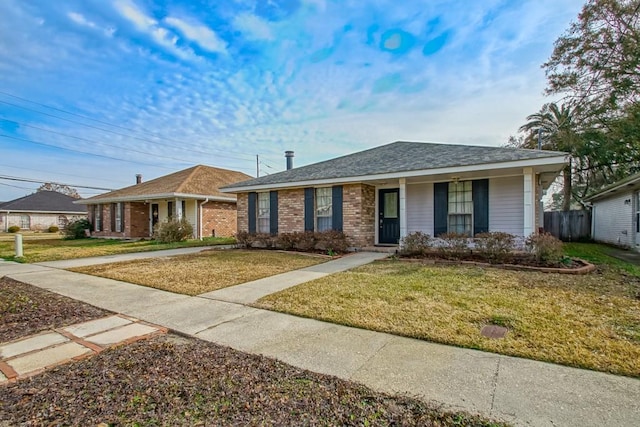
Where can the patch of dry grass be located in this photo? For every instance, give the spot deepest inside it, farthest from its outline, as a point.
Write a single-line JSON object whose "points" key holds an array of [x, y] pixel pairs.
{"points": [[588, 321], [203, 272]]}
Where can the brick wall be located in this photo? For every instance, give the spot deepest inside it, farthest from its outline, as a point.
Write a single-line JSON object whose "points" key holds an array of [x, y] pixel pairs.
{"points": [[136, 219], [242, 206], [291, 210], [359, 214], [221, 217]]}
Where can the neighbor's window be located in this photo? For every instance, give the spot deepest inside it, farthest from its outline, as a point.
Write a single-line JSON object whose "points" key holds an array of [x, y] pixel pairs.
{"points": [[97, 215], [263, 213], [117, 214], [170, 210], [324, 209], [460, 207], [25, 222]]}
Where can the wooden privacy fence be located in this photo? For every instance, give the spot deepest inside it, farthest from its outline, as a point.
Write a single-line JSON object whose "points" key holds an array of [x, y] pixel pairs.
{"points": [[568, 226]]}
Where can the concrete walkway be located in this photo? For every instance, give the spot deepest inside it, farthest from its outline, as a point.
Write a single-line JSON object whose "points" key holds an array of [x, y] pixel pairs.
{"points": [[521, 391]]}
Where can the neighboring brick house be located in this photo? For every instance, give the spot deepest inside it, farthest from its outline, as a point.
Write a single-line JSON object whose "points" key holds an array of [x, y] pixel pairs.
{"points": [[615, 213], [39, 211], [193, 193], [379, 195]]}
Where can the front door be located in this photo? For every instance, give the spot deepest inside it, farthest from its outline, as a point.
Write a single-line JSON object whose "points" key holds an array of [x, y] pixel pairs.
{"points": [[155, 215], [389, 216]]}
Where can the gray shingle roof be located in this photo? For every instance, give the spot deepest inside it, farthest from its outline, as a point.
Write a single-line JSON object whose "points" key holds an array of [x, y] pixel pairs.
{"points": [[399, 157], [43, 201]]}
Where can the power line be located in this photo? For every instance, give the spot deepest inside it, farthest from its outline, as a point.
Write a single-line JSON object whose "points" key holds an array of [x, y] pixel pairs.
{"points": [[15, 186], [37, 181], [57, 173], [116, 126]]}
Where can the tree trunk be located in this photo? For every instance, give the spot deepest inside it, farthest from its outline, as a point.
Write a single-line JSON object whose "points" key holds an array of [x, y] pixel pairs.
{"points": [[566, 200]]}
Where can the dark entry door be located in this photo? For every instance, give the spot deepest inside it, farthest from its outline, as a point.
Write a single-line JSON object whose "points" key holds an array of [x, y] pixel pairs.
{"points": [[389, 216], [155, 213]]}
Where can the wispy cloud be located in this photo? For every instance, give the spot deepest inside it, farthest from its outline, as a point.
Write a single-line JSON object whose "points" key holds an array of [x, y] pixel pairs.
{"points": [[198, 33], [253, 27]]}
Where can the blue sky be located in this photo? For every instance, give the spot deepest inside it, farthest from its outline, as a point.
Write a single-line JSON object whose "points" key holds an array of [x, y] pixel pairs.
{"points": [[94, 91]]}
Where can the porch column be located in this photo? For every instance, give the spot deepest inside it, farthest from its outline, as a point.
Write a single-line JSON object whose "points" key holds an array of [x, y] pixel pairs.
{"points": [[178, 208], [403, 208], [529, 194]]}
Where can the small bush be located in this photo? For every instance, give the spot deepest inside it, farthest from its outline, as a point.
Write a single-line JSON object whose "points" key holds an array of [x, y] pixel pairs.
{"points": [[264, 241], [545, 248], [244, 239], [416, 243], [454, 245], [173, 230], [286, 241], [77, 229], [53, 229], [13, 229], [331, 241], [495, 246], [305, 241]]}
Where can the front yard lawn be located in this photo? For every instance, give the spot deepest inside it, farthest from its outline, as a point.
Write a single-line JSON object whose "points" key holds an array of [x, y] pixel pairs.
{"points": [[39, 248], [590, 321], [203, 272]]}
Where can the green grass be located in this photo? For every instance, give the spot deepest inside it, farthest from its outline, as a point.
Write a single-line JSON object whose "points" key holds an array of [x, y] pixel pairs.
{"points": [[52, 249], [599, 254], [590, 321]]}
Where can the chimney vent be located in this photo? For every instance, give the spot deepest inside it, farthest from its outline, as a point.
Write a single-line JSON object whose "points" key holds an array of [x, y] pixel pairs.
{"points": [[289, 157], [138, 178]]}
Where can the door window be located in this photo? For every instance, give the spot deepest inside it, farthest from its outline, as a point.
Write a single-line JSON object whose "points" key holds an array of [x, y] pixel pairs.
{"points": [[391, 205]]}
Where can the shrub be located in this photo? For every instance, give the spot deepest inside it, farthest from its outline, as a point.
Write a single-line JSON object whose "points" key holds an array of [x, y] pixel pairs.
{"points": [[244, 239], [77, 229], [305, 241], [416, 243], [286, 241], [545, 248], [454, 244], [331, 241], [53, 229], [13, 229], [264, 240], [173, 230], [495, 246]]}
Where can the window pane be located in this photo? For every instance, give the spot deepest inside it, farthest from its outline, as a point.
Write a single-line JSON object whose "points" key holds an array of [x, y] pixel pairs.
{"points": [[263, 213], [324, 223], [324, 209], [391, 205]]}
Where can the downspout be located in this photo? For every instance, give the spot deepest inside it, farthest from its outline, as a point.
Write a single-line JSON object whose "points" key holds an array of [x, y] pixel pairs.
{"points": [[201, 205]]}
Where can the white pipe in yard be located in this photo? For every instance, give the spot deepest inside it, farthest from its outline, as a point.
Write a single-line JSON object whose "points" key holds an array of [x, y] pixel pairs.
{"points": [[18, 245]]}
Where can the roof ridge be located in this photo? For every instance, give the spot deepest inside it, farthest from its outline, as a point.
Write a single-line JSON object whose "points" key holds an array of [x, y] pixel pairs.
{"points": [[188, 178]]}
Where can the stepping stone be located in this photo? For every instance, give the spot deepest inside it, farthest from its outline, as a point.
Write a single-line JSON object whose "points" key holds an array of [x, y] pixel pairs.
{"points": [[122, 334], [93, 327], [30, 344], [494, 331], [47, 357]]}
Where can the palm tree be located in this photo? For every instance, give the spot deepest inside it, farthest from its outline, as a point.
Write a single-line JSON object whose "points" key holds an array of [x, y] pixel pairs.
{"points": [[556, 127]]}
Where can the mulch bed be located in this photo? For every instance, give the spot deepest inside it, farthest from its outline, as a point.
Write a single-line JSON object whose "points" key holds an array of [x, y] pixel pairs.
{"points": [[26, 310], [172, 380]]}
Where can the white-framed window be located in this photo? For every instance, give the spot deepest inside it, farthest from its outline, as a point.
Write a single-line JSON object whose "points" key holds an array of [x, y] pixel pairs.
{"points": [[117, 212], [324, 209], [264, 214], [460, 207], [25, 222]]}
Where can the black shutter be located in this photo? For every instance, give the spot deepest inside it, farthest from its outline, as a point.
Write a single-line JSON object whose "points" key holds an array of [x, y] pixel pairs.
{"points": [[336, 205], [440, 207], [273, 212], [309, 208], [113, 216], [480, 195], [251, 212]]}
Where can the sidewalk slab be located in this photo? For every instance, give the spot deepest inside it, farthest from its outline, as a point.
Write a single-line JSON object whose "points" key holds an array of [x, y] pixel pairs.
{"points": [[123, 333], [8, 268], [47, 357], [31, 344], [192, 315], [93, 327]]}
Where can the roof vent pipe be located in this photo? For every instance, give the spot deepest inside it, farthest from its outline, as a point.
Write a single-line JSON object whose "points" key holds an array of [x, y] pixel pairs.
{"points": [[289, 157], [138, 178]]}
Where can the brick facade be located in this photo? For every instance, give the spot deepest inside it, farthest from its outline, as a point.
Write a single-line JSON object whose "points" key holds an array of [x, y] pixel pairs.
{"points": [[136, 219], [291, 210], [219, 219], [358, 212]]}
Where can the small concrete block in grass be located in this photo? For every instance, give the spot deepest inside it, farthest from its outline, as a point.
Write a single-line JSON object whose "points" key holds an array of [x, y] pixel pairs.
{"points": [[50, 356], [30, 344], [93, 327], [122, 334], [494, 331]]}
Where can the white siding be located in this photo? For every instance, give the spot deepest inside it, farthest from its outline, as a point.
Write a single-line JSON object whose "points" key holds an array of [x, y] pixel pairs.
{"points": [[506, 205], [613, 220], [420, 208]]}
